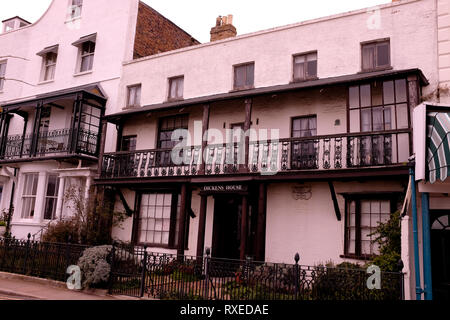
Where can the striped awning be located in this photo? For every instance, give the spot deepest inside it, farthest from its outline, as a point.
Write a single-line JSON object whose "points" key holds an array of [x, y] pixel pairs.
{"points": [[438, 145]]}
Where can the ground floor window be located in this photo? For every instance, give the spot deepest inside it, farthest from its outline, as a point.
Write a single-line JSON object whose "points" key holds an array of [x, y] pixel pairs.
{"points": [[159, 219], [29, 195], [363, 215], [51, 197]]}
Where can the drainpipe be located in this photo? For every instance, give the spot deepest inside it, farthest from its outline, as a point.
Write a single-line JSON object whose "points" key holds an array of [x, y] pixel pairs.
{"points": [[427, 278], [419, 290]]}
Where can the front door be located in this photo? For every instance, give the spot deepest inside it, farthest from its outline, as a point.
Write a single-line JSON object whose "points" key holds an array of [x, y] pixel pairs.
{"points": [[440, 255], [227, 226]]}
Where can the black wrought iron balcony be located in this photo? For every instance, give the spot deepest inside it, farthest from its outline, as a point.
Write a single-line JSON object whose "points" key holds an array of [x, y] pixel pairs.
{"points": [[332, 152], [51, 143]]}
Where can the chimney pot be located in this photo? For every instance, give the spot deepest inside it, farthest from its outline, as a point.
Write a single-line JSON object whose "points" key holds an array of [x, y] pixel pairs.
{"points": [[224, 28]]}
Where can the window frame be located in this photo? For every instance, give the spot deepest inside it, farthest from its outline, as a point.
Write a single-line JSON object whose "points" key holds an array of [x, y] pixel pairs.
{"points": [[89, 54], [137, 88], [308, 143], [176, 195], [241, 65], [46, 65], [376, 43], [392, 197], [183, 117], [31, 196], [163, 158], [2, 77], [306, 76], [54, 197], [125, 138], [172, 81], [384, 104]]}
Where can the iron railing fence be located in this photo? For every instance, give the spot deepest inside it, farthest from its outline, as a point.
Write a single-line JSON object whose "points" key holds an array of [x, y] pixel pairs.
{"points": [[137, 272], [332, 152], [38, 259], [51, 143]]}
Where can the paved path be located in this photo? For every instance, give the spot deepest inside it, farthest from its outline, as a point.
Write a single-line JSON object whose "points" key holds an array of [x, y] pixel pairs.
{"points": [[18, 289]]}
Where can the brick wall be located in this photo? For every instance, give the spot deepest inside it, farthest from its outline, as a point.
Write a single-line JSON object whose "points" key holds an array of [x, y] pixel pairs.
{"points": [[156, 34]]}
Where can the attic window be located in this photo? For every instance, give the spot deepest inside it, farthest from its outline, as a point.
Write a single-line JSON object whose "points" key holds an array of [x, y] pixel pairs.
{"points": [[75, 8], [8, 26]]}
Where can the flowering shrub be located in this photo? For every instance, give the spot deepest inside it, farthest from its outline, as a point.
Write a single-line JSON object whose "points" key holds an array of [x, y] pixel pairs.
{"points": [[95, 266]]}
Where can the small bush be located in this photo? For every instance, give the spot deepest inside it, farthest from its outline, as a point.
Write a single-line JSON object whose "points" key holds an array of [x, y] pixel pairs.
{"points": [[95, 266], [2, 224], [388, 237], [62, 231]]}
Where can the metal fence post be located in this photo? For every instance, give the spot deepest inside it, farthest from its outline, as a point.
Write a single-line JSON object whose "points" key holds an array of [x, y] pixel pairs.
{"points": [[111, 272], [27, 250], [297, 275], [207, 260], [144, 272]]}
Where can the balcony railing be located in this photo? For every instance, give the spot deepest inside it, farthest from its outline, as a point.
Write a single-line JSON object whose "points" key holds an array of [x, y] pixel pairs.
{"points": [[63, 141], [265, 157]]}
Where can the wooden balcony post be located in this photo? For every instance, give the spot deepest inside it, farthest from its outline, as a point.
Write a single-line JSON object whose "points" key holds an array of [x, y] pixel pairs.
{"points": [[4, 128], [247, 126], [244, 223], [24, 132], [182, 228], [119, 127], [104, 129], [202, 226], [261, 224], [205, 127], [36, 129]]}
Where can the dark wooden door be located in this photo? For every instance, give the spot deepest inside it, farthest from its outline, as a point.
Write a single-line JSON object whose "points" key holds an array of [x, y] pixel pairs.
{"points": [[440, 255], [226, 230]]}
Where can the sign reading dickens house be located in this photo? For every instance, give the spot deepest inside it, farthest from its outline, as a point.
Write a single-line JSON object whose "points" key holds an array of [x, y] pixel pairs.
{"points": [[225, 188]]}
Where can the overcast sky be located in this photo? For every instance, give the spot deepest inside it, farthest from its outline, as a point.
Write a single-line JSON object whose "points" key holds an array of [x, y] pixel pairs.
{"points": [[198, 16]]}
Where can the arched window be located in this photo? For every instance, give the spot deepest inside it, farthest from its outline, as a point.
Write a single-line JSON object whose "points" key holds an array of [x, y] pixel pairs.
{"points": [[441, 223]]}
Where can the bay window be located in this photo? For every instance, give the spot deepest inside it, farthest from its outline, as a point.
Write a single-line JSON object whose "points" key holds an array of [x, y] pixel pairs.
{"points": [[378, 107]]}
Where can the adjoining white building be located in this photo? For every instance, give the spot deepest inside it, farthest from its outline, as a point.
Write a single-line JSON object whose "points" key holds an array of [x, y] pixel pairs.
{"points": [[58, 77]]}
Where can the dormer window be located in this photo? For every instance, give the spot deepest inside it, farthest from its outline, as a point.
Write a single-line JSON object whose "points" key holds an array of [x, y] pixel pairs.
{"points": [[8, 26], [14, 23], [75, 8], [49, 57], [86, 52]]}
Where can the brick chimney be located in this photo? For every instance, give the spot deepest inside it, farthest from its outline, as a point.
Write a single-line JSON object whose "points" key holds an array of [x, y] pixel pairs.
{"points": [[224, 28]]}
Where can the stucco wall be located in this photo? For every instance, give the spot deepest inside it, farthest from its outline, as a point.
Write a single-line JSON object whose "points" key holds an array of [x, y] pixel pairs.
{"points": [[208, 70], [309, 227]]}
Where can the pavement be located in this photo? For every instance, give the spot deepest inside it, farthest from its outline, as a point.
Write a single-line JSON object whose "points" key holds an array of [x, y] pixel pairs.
{"points": [[15, 287]]}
